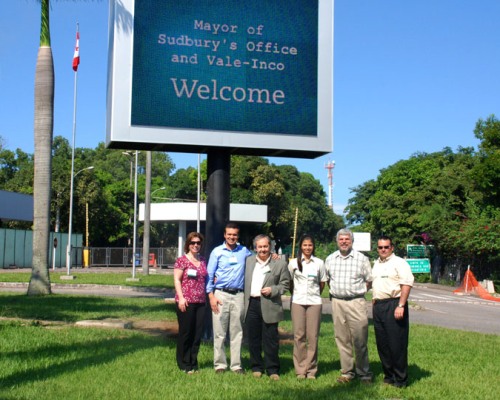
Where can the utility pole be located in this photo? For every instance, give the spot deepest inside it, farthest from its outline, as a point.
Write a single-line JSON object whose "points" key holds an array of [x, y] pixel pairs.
{"points": [[330, 165]]}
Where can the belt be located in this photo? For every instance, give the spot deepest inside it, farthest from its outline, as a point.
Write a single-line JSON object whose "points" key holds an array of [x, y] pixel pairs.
{"points": [[359, 296], [230, 290]]}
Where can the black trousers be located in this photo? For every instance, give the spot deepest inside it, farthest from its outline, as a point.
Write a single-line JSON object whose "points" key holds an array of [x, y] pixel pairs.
{"points": [[190, 331], [391, 337], [262, 336]]}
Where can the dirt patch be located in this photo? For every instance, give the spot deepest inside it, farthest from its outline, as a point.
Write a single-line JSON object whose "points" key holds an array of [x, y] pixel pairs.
{"points": [[170, 329], [167, 329], [285, 336]]}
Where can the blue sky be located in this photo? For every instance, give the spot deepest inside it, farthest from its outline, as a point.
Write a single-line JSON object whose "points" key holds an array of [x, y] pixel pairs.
{"points": [[409, 76]]}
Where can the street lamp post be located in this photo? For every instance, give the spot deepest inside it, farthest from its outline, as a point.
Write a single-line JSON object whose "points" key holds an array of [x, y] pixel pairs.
{"points": [[157, 190], [70, 224], [134, 242], [126, 153], [147, 217]]}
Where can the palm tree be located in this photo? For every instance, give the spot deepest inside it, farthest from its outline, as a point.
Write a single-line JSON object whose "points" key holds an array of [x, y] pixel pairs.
{"points": [[44, 124]]}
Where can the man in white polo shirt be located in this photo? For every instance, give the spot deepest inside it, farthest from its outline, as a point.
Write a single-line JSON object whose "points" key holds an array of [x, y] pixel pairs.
{"points": [[392, 282]]}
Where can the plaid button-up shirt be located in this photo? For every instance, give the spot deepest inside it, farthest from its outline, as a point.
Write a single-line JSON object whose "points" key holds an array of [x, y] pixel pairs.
{"points": [[348, 275]]}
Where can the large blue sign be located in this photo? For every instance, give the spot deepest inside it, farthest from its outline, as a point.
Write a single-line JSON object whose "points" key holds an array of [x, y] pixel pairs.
{"points": [[205, 64], [252, 75]]}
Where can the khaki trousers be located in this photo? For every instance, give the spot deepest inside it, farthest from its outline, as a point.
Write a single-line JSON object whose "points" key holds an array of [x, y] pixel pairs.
{"points": [[306, 322], [350, 323], [229, 318]]}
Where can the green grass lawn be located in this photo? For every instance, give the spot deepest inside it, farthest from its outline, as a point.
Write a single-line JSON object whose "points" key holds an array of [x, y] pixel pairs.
{"points": [[66, 362]]}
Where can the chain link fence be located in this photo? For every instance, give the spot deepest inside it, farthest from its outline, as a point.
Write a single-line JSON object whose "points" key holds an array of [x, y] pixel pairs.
{"points": [[161, 257]]}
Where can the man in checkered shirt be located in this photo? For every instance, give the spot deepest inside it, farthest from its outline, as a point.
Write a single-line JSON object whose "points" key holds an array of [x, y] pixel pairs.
{"points": [[349, 278]]}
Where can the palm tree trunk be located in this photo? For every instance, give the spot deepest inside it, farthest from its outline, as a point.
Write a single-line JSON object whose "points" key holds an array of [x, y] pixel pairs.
{"points": [[44, 124]]}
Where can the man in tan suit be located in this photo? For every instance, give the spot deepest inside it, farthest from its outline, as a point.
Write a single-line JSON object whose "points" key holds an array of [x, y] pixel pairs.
{"points": [[265, 281]]}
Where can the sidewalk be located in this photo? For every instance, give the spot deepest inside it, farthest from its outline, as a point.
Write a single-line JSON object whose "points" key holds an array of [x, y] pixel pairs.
{"points": [[92, 289]]}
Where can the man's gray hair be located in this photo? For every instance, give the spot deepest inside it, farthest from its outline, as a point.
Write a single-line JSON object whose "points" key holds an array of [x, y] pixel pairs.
{"points": [[260, 237], [345, 232]]}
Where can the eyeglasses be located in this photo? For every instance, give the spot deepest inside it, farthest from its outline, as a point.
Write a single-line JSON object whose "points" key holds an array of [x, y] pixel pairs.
{"points": [[195, 243], [383, 247]]}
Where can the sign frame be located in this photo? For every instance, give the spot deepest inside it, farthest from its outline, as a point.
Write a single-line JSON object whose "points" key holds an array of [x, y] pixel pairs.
{"points": [[120, 133]]}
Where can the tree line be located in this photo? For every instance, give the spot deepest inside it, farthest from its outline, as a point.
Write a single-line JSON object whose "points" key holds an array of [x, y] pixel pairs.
{"points": [[448, 199], [107, 191]]}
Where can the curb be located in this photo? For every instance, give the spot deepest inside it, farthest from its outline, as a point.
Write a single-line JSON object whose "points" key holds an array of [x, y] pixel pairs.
{"points": [[83, 286]]}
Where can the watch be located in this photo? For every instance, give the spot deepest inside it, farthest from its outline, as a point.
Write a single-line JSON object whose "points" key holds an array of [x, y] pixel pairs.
{"points": [[401, 305]]}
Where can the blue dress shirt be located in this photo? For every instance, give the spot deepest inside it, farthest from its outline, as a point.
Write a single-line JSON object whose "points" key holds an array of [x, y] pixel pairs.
{"points": [[228, 266]]}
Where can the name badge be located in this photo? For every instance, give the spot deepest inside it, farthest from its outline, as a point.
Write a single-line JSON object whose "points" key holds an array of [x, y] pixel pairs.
{"points": [[192, 273], [233, 260], [266, 269]]}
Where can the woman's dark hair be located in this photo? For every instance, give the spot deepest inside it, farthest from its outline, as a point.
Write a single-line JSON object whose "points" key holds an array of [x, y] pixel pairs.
{"points": [[190, 237], [299, 252]]}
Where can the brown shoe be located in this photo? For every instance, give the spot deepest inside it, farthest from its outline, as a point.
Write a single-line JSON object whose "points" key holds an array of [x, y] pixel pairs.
{"points": [[239, 371], [311, 377], [220, 371], [274, 377], [257, 374], [300, 377]]}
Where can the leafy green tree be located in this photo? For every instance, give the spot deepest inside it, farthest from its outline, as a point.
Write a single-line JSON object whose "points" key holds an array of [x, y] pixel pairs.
{"points": [[16, 175], [487, 170], [241, 179], [432, 199], [16, 171], [181, 185]]}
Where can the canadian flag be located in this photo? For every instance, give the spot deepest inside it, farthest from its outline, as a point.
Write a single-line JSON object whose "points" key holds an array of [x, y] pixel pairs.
{"points": [[76, 56]]}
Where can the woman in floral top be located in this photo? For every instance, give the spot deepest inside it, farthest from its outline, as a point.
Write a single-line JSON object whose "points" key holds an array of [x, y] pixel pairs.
{"points": [[190, 278]]}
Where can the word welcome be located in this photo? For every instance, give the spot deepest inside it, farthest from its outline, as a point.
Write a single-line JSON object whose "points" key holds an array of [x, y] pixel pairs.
{"points": [[226, 93]]}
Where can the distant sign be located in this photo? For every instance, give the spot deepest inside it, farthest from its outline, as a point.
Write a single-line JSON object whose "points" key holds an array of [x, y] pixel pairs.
{"points": [[362, 241], [420, 265], [415, 250]]}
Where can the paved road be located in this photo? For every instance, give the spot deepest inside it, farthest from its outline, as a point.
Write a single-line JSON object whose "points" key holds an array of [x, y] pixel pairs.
{"points": [[431, 304], [437, 305]]}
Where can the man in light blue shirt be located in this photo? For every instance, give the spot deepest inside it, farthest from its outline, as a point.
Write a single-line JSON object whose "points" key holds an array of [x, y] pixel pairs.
{"points": [[226, 279]]}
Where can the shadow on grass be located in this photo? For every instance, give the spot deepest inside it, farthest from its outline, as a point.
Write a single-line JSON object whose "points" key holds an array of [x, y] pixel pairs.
{"points": [[90, 353], [69, 308]]}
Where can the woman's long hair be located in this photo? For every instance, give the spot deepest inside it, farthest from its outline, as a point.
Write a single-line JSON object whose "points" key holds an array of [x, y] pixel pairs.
{"points": [[299, 252]]}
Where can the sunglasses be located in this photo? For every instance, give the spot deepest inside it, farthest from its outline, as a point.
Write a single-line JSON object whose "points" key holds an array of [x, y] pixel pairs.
{"points": [[383, 247], [195, 243]]}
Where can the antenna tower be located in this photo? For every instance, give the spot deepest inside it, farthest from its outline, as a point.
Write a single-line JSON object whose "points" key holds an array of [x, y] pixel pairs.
{"points": [[330, 165]]}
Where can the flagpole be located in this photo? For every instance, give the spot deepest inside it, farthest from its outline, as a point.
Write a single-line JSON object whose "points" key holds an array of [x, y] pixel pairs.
{"points": [[198, 197], [76, 61]]}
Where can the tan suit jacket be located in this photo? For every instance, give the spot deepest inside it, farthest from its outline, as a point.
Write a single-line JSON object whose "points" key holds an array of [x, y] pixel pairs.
{"points": [[278, 279]]}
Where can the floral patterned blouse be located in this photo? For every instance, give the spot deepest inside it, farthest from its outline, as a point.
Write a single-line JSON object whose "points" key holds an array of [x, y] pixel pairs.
{"points": [[193, 281]]}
